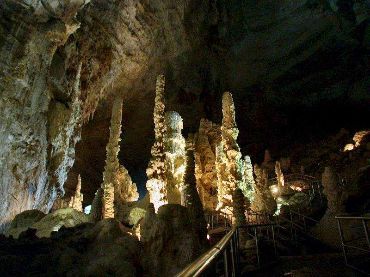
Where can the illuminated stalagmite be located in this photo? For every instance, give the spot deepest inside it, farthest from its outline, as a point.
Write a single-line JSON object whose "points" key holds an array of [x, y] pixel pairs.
{"points": [[125, 189], [229, 164], [190, 196], [279, 176], [78, 197], [96, 212], [174, 146], [333, 191], [206, 140], [263, 201], [112, 163], [156, 184], [249, 182]]}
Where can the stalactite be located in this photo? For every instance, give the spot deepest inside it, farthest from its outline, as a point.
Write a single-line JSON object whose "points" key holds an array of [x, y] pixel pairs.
{"points": [[229, 164], [156, 183], [174, 146]]}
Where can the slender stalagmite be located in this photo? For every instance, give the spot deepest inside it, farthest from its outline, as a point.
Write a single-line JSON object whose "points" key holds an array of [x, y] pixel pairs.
{"points": [[112, 163], [156, 183]]}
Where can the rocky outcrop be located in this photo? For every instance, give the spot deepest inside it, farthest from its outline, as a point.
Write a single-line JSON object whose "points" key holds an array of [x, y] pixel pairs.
{"points": [[164, 236], [38, 142], [86, 250]]}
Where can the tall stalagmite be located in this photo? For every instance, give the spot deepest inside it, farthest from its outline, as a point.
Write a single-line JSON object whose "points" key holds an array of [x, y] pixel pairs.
{"points": [[156, 183], [239, 207], [279, 177], [333, 191], [206, 141], [174, 146], [78, 197], [229, 164], [263, 201], [190, 196], [112, 163], [96, 212], [248, 178]]}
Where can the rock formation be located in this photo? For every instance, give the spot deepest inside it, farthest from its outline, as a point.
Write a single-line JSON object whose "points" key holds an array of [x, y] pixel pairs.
{"points": [[229, 165], [169, 240], [263, 201], [78, 197], [174, 147], [333, 192], [239, 208], [206, 140], [96, 212], [190, 197], [38, 132], [249, 182], [112, 163], [156, 184], [126, 190], [279, 177]]}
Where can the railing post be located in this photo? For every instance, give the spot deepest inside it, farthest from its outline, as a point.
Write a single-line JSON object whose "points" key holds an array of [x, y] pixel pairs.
{"points": [[232, 254], [226, 265], [366, 232], [257, 250], [342, 241]]}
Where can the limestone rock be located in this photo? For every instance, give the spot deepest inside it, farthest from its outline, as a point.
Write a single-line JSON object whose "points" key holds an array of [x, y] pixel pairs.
{"points": [[23, 221], [156, 184], [166, 235], [229, 163], [263, 201], [174, 148], [333, 192], [208, 136], [96, 212], [239, 208], [54, 221]]}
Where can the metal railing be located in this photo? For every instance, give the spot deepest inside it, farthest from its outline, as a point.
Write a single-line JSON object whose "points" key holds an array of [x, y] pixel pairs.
{"points": [[314, 185], [218, 219], [258, 231], [226, 250], [361, 244]]}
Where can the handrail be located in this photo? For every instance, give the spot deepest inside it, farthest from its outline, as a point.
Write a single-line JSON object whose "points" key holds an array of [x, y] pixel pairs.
{"points": [[353, 217], [345, 244], [200, 264]]}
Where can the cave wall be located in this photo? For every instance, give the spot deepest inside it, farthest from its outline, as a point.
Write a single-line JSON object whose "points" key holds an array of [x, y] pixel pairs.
{"points": [[63, 61]]}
